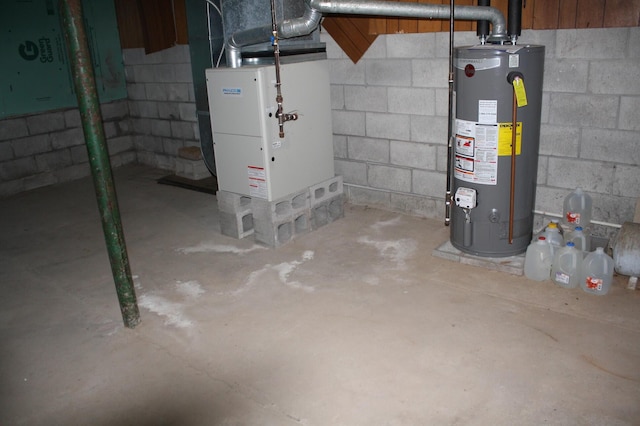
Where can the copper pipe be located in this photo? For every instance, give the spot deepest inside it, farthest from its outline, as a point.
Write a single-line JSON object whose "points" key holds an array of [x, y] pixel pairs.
{"points": [[514, 131]]}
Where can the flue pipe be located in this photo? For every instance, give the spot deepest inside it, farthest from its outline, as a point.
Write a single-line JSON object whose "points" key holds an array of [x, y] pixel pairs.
{"points": [[482, 29], [315, 8], [514, 25]]}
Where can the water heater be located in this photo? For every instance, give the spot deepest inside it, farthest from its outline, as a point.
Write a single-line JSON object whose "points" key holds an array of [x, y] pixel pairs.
{"points": [[494, 183], [252, 158]]}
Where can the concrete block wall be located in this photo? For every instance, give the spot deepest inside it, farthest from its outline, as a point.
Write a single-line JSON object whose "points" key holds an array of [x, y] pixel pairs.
{"points": [[44, 149], [390, 120], [161, 104]]}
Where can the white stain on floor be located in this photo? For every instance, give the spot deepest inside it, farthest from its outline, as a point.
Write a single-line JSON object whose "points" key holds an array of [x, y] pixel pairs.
{"points": [[172, 312], [397, 251], [283, 270], [218, 248], [161, 303], [189, 289], [380, 225]]}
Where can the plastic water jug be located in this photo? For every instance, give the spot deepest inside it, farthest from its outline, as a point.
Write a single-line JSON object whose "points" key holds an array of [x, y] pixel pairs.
{"points": [[537, 260], [597, 272], [567, 266], [579, 238], [559, 225], [553, 237], [577, 209]]}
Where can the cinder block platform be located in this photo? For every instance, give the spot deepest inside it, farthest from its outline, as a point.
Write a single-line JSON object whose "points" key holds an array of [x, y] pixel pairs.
{"points": [[236, 214], [511, 264], [277, 222]]}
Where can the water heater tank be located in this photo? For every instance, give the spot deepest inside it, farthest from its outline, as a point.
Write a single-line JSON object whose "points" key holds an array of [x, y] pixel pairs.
{"points": [[484, 99]]}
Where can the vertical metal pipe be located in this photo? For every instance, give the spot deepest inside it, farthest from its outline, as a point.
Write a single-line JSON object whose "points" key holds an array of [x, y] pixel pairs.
{"points": [[85, 86], [514, 23], [450, 136], [482, 30]]}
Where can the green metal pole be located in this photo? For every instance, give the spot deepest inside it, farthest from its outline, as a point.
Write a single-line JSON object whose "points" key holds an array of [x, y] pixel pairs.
{"points": [[85, 86]]}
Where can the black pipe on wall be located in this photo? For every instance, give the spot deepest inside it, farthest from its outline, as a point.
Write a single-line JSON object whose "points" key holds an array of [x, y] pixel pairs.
{"points": [[482, 29], [514, 18]]}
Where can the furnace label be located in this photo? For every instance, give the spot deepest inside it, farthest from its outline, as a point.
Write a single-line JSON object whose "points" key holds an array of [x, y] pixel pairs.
{"points": [[235, 92], [257, 181]]}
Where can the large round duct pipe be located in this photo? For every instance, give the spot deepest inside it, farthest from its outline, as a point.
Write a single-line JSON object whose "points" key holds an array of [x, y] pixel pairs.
{"points": [[315, 8]]}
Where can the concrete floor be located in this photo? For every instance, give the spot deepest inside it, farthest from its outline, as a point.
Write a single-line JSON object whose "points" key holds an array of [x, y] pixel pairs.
{"points": [[353, 324]]}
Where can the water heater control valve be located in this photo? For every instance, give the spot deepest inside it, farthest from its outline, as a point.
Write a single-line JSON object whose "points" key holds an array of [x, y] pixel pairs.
{"points": [[466, 198]]}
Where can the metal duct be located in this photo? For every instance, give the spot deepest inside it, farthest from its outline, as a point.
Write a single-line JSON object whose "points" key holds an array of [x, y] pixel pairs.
{"points": [[287, 29], [315, 8]]}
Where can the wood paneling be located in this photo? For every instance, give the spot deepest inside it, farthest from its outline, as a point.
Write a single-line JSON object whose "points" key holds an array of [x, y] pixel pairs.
{"points": [[152, 24], [430, 25], [460, 25], [545, 14], [622, 13], [590, 13], [128, 16], [352, 34], [567, 10], [158, 29], [180, 13]]}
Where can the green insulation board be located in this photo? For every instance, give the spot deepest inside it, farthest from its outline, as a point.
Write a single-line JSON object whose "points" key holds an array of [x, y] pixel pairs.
{"points": [[35, 75]]}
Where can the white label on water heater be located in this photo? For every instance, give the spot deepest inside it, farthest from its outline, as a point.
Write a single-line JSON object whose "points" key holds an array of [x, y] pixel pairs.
{"points": [[514, 61], [479, 64], [488, 111], [476, 152]]}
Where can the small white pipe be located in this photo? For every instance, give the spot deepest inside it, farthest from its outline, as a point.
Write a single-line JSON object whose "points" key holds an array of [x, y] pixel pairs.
{"points": [[595, 222]]}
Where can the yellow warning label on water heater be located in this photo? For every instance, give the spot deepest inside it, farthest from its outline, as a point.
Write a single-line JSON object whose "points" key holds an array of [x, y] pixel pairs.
{"points": [[521, 93], [505, 137]]}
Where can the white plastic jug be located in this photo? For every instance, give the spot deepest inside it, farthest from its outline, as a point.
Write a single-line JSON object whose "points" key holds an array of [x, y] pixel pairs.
{"points": [[579, 238], [559, 225], [553, 237], [537, 260], [567, 266], [597, 272], [577, 209]]}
